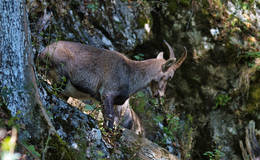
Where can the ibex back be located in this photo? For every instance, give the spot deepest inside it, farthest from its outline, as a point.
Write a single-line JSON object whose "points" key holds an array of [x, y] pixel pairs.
{"points": [[106, 75]]}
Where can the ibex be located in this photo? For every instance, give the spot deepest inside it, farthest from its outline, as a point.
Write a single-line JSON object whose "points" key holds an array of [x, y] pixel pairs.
{"points": [[109, 76]]}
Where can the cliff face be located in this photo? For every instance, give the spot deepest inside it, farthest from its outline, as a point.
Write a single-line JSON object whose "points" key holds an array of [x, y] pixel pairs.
{"points": [[215, 85], [214, 94]]}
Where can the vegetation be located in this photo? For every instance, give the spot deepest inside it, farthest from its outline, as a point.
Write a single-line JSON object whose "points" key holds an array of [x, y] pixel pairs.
{"points": [[222, 100], [93, 5], [214, 155], [8, 144], [253, 56]]}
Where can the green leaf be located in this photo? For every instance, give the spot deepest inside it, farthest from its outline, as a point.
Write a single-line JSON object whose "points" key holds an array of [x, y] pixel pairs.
{"points": [[89, 107], [253, 54], [31, 148], [33, 151], [139, 56], [140, 94], [100, 154], [6, 144], [159, 118], [154, 101], [63, 78]]}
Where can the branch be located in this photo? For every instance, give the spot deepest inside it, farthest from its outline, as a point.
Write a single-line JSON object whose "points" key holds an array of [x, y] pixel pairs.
{"points": [[252, 150]]}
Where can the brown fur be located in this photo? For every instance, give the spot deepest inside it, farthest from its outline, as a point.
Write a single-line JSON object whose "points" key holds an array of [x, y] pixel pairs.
{"points": [[106, 75]]}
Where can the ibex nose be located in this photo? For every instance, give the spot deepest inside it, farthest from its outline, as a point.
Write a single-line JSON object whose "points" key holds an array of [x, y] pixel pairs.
{"points": [[161, 94], [156, 94]]}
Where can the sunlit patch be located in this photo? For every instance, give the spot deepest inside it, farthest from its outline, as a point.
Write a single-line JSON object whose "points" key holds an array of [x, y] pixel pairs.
{"points": [[147, 28], [257, 61], [74, 145], [214, 32]]}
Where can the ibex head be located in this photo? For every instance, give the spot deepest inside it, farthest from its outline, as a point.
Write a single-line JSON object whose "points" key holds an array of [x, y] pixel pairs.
{"points": [[168, 67]]}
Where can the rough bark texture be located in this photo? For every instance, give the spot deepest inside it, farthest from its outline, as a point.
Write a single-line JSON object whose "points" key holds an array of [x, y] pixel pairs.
{"points": [[16, 63], [14, 47]]}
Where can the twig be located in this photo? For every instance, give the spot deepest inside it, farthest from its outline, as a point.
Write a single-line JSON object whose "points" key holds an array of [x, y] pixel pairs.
{"points": [[20, 143], [46, 146]]}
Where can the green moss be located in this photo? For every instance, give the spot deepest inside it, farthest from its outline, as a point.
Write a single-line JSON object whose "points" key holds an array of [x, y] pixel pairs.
{"points": [[253, 105], [59, 148], [255, 93], [139, 102], [172, 6], [130, 152], [142, 20], [185, 2], [222, 100]]}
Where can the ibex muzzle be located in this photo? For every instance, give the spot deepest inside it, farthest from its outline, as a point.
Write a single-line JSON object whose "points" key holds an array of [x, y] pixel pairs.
{"points": [[106, 75]]}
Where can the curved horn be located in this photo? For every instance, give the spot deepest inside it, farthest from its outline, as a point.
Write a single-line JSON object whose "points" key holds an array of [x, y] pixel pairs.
{"points": [[172, 56], [180, 61]]}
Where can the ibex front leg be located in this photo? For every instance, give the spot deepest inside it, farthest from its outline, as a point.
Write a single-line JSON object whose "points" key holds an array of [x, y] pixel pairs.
{"points": [[108, 110]]}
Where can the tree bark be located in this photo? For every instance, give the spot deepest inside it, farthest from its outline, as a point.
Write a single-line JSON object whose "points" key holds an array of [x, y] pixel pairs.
{"points": [[15, 56], [17, 79]]}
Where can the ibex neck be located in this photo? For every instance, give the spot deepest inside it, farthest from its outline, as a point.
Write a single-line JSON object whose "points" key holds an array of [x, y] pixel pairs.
{"points": [[142, 73]]}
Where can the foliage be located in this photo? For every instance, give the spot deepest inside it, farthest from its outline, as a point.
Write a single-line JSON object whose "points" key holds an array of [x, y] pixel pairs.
{"points": [[235, 22], [176, 131], [93, 5], [32, 150], [12, 122], [8, 146], [172, 128], [214, 155], [252, 55], [59, 86], [173, 124], [139, 56], [139, 101], [222, 100]]}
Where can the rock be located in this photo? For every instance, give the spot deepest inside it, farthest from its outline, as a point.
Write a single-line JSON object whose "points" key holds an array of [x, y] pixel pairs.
{"points": [[79, 131], [142, 148], [224, 130], [116, 25]]}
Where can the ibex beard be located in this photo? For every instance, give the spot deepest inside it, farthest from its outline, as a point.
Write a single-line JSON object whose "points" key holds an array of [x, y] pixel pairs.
{"points": [[108, 76]]}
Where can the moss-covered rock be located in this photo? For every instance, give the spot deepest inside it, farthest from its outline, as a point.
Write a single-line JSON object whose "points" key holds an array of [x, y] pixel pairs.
{"points": [[253, 103]]}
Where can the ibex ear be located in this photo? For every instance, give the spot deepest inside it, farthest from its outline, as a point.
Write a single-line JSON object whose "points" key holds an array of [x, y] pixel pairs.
{"points": [[160, 55], [167, 64]]}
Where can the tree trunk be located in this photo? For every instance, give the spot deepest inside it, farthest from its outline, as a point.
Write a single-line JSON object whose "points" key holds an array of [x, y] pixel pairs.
{"points": [[17, 79]]}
